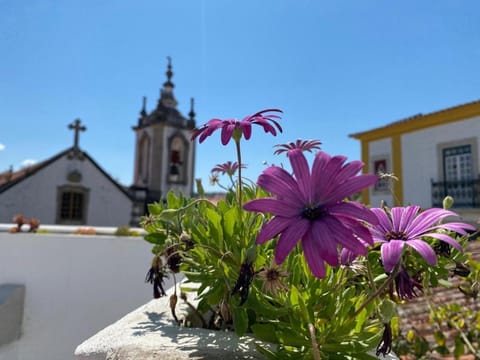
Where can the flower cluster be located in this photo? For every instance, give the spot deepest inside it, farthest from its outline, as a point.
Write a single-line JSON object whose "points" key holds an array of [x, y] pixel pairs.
{"points": [[280, 258]]}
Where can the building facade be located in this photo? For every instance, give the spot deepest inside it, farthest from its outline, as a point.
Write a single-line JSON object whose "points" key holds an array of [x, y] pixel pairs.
{"points": [[70, 188], [432, 155]]}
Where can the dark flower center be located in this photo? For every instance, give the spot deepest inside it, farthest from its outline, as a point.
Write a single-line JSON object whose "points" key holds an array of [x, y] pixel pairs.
{"points": [[272, 275], [312, 213], [396, 235]]}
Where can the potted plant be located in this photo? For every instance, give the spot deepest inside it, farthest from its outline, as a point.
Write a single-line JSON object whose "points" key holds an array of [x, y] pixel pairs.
{"points": [[293, 260]]}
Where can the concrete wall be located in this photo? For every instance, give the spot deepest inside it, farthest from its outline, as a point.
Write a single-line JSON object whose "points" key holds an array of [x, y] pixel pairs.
{"points": [[36, 196], [74, 286]]}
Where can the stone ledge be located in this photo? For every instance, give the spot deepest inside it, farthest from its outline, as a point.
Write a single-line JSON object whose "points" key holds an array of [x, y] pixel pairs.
{"points": [[150, 333]]}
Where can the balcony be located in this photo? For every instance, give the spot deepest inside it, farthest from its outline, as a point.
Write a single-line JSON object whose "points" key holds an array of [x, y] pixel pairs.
{"points": [[465, 192]]}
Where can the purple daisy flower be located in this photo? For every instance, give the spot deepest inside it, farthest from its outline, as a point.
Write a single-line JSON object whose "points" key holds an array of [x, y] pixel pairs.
{"points": [[310, 206], [228, 126], [405, 225], [304, 145], [228, 168]]}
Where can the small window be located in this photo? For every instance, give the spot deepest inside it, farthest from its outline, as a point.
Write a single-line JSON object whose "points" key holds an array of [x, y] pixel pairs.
{"points": [[380, 168], [72, 205], [458, 163]]}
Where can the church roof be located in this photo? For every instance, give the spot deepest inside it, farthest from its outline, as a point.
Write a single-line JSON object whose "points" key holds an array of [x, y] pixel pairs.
{"points": [[166, 110], [10, 178]]}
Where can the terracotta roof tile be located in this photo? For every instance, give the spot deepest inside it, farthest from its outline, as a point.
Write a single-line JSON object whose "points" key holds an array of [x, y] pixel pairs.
{"points": [[415, 313]]}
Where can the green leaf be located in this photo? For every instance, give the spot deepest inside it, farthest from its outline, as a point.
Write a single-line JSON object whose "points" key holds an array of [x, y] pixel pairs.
{"points": [[172, 200], [214, 225], [156, 238], [154, 208], [459, 347], [240, 320], [216, 293], [388, 309], [439, 338], [290, 337], [266, 352], [360, 320], [168, 215], [297, 300], [265, 332], [229, 220], [445, 283]]}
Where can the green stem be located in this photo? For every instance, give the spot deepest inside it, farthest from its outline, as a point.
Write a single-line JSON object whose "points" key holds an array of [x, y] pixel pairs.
{"points": [[239, 158], [378, 291], [315, 351], [464, 338], [370, 276]]}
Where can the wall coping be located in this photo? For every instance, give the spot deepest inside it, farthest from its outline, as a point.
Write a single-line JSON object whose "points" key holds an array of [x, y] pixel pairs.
{"points": [[72, 229]]}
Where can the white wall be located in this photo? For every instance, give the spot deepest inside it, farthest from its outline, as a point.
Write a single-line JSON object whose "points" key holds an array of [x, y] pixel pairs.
{"points": [[75, 286], [36, 196], [420, 157], [380, 149]]}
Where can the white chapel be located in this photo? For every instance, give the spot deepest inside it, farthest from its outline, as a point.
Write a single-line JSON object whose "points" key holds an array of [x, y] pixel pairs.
{"points": [[71, 188]]}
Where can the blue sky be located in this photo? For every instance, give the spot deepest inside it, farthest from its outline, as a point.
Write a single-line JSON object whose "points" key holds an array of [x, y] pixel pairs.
{"points": [[334, 67]]}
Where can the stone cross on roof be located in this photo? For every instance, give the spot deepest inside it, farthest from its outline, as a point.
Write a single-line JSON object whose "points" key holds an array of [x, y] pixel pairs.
{"points": [[77, 127]]}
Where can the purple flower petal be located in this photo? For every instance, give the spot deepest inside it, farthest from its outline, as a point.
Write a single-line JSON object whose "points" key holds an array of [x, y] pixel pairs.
{"points": [[302, 173], [323, 239], [273, 206], [326, 168], [456, 227], [342, 235], [408, 215], [347, 256], [427, 219], [227, 132], [290, 237], [354, 210], [445, 238], [391, 252], [246, 129], [272, 229], [279, 182], [351, 186], [314, 258], [424, 249]]}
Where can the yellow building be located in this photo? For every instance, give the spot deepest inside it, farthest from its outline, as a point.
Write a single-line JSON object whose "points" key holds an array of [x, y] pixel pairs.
{"points": [[432, 155]]}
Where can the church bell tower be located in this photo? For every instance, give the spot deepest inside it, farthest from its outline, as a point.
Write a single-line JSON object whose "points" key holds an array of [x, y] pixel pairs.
{"points": [[164, 154]]}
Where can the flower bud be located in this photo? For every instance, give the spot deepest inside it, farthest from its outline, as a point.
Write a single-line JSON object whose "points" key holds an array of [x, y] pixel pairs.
{"points": [[447, 202]]}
